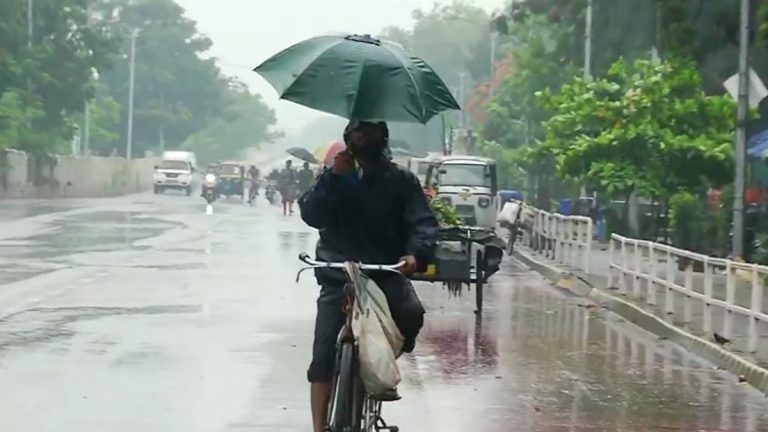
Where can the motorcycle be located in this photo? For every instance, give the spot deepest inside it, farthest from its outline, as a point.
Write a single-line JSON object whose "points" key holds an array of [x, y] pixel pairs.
{"points": [[209, 188], [270, 192]]}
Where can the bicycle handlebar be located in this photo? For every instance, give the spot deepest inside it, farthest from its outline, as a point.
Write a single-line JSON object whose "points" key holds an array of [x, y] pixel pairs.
{"points": [[304, 257], [312, 264]]}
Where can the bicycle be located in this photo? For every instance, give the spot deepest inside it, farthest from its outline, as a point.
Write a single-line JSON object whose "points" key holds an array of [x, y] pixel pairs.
{"points": [[514, 231], [351, 408]]}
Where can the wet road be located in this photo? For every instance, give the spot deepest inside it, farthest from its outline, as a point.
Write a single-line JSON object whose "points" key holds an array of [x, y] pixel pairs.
{"points": [[144, 314]]}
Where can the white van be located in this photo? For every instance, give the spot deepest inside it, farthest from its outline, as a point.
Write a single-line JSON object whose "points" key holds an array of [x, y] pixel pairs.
{"points": [[176, 171]]}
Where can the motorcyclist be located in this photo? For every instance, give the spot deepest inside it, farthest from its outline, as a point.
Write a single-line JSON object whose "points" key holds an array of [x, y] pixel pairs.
{"points": [[369, 210], [212, 173]]}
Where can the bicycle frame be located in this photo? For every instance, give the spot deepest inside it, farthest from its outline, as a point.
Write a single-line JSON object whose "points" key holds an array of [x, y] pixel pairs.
{"points": [[370, 411]]}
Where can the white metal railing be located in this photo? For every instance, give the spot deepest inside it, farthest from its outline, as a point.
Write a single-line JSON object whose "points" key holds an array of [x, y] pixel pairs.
{"points": [[566, 239], [642, 268]]}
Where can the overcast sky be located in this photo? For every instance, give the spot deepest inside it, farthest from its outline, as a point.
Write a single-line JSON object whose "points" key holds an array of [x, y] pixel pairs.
{"points": [[246, 32]]}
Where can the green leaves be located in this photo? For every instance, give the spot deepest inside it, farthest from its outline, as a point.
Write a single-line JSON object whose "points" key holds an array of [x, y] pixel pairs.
{"points": [[51, 79], [244, 124], [645, 126]]}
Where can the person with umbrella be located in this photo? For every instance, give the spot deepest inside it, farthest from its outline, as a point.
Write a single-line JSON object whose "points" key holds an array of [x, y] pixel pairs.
{"points": [[367, 209], [286, 185]]}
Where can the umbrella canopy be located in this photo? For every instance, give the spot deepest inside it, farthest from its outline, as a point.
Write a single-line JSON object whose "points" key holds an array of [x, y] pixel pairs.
{"points": [[325, 154], [358, 77], [303, 154]]}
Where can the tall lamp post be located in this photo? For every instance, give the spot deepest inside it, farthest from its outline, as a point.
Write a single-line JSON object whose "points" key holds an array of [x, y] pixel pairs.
{"points": [[131, 79], [741, 133]]}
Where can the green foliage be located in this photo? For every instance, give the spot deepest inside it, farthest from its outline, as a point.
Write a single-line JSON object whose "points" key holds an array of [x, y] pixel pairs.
{"points": [[80, 52], [43, 83], [14, 118], [647, 127], [243, 125], [516, 115], [508, 164], [451, 38], [687, 221], [177, 91], [446, 213]]}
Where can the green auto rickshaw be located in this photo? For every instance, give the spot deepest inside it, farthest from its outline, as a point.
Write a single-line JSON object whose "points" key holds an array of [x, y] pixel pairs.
{"points": [[231, 179]]}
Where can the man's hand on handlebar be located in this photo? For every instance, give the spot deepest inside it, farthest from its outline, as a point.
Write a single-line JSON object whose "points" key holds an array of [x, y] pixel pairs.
{"points": [[410, 265]]}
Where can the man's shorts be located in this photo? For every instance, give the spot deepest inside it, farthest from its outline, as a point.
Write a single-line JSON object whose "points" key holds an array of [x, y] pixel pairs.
{"points": [[404, 304]]}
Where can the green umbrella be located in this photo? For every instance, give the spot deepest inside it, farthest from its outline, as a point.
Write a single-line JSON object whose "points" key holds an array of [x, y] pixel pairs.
{"points": [[358, 77]]}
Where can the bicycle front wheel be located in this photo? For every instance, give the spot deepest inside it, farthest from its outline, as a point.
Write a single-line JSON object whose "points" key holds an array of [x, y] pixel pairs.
{"points": [[348, 394]]}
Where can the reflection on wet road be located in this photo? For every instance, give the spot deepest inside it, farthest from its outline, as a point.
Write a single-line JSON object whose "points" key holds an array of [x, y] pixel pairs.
{"points": [[143, 314]]}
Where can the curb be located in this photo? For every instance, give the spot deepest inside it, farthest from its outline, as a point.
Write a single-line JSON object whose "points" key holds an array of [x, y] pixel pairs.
{"points": [[724, 359]]}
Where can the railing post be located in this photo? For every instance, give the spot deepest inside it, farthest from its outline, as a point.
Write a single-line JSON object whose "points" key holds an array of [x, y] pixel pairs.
{"points": [[652, 279], [588, 248], [624, 268], [756, 306], [611, 263], [574, 234], [562, 236], [707, 296], [554, 234], [688, 289], [636, 275], [669, 294], [730, 297]]}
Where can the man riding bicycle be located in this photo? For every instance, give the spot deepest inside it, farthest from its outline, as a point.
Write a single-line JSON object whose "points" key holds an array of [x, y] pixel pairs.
{"points": [[367, 210]]}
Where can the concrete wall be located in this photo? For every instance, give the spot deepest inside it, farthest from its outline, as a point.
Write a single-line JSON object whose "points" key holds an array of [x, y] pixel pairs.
{"points": [[24, 176]]}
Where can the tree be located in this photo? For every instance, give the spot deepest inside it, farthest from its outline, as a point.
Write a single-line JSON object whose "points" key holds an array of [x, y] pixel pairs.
{"points": [[177, 90], [244, 124], [451, 38], [50, 76], [536, 60], [105, 114], [646, 127]]}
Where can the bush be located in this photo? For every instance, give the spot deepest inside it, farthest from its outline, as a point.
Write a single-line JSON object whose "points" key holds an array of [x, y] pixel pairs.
{"points": [[688, 222]]}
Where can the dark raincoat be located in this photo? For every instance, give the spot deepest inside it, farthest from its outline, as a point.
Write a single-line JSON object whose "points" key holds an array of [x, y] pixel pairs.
{"points": [[377, 218]]}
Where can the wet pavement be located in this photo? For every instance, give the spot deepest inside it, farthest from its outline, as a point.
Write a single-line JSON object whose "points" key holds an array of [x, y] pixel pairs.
{"points": [[144, 314]]}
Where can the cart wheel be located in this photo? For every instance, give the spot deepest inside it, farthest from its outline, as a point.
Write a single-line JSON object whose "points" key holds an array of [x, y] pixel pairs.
{"points": [[480, 276]]}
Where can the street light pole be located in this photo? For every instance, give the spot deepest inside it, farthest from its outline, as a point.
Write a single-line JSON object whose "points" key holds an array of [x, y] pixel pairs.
{"points": [[588, 42], [462, 100], [587, 62], [131, 79], [741, 133]]}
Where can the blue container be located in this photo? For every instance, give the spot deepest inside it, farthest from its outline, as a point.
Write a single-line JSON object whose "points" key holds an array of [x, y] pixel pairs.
{"points": [[602, 229], [566, 206], [506, 195]]}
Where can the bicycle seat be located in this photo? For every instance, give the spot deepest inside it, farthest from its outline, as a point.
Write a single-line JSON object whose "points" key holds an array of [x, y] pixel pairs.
{"points": [[386, 396]]}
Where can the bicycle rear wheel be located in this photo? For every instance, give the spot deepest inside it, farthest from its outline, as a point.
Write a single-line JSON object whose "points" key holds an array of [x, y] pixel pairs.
{"points": [[348, 393]]}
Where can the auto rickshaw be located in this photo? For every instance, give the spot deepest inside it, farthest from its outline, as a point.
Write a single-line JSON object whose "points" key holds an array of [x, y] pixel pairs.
{"points": [[231, 179], [469, 183]]}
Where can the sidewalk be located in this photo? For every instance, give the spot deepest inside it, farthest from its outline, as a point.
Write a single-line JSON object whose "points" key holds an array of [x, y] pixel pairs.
{"points": [[689, 321]]}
